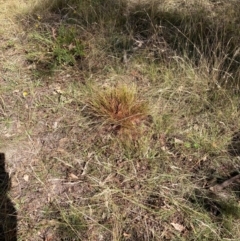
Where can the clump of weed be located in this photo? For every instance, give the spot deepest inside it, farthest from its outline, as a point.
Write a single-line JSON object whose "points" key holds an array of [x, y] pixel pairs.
{"points": [[55, 47], [118, 107], [67, 46]]}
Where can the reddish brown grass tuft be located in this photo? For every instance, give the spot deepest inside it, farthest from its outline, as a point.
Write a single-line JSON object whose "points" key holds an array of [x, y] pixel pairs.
{"points": [[119, 107]]}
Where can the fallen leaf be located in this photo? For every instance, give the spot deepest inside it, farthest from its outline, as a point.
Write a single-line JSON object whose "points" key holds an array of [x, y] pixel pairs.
{"points": [[55, 124], [178, 226], [214, 145], [57, 90], [178, 141], [73, 176], [14, 183], [26, 177], [71, 46], [127, 235], [25, 93]]}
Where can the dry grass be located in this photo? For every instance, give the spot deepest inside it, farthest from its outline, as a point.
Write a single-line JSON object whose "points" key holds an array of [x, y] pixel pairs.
{"points": [[90, 159], [118, 107]]}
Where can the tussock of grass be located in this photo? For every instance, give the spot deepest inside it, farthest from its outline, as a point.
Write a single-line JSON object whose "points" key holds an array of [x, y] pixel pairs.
{"points": [[119, 106]]}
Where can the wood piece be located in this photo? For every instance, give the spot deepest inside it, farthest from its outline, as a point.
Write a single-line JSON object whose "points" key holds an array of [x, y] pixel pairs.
{"points": [[220, 187]]}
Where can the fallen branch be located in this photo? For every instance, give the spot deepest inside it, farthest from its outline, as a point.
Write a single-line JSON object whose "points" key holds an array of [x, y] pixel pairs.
{"points": [[220, 187]]}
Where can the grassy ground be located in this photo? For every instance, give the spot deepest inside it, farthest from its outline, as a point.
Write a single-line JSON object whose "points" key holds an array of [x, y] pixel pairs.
{"points": [[120, 119]]}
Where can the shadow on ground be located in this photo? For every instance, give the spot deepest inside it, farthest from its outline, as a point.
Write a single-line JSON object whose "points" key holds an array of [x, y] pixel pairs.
{"points": [[234, 146], [8, 214], [220, 197], [193, 32]]}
